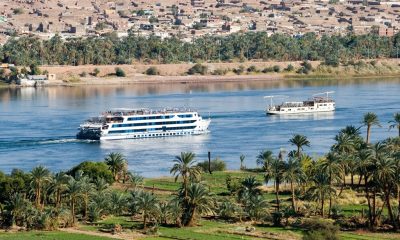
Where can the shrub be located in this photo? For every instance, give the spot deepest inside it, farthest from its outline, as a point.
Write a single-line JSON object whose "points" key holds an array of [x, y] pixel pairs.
{"points": [[332, 60], [276, 68], [198, 69], [94, 170], [252, 68], [18, 11], [289, 68], [306, 67], [83, 74], [216, 165], [96, 72], [119, 72], [267, 70], [320, 229], [232, 184], [239, 70], [152, 71], [220, 71]]}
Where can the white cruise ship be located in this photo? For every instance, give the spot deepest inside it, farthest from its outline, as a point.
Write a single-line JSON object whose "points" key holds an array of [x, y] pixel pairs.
{"points": [[143, 123], [316, 104]]}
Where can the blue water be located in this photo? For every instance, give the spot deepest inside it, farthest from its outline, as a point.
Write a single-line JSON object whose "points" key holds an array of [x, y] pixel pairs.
{"points": [[38, 126]]}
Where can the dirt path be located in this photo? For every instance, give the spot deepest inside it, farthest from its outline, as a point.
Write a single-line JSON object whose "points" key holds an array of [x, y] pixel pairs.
{"points": [[124, 236]]}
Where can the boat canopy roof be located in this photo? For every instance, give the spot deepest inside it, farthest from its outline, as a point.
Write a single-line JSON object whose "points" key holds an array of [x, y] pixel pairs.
{"points": [[144, 111]]}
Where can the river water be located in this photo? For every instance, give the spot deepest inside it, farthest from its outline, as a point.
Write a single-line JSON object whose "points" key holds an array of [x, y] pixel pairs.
{"points": [[38, 126]]}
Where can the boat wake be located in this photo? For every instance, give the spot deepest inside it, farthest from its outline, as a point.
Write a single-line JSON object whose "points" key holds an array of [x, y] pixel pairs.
{"points": [[39, 142]]}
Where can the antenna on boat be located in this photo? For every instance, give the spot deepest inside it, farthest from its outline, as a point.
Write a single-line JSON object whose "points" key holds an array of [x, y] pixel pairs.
{"points": [[327, 93], [276, 96]]}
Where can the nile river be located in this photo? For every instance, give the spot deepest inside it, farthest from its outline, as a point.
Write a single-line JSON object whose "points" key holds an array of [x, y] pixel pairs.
{"points": [[38, 126]]}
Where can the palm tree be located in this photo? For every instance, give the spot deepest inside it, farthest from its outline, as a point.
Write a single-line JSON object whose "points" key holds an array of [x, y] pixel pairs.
{"points": [[275, 171], [293, 174], [117, 164], [100, 184], [299, 141], [199, 201], [370, 119], [242, 157], [395, 122], [386, 176], [118, 202], [58, 186], [39, 177], [134, 180], [16, 207], [265, 158], [147, 203], [321, 189], [184, 167], [87, 189], [256, 207], [331, 164], [74, 192], [249, 188]]}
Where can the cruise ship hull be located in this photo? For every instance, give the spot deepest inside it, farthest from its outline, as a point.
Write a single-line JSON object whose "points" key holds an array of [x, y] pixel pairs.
{"points": [[152, 135]]}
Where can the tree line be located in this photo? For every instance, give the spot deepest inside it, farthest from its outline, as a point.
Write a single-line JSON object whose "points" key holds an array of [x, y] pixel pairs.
{"points": [[40, 199], [109, 49]]}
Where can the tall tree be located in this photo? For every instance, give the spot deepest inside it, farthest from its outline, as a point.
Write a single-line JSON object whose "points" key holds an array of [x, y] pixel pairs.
{"points": [[40, 176], [117, 164], [299, 141], [370, 119], [184, 166], [395, 123]]}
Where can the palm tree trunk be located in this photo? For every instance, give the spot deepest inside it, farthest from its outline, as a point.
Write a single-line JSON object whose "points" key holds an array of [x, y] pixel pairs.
{"points": [[144, 220], [330, 195], [359, 180], [73, 211], [191, 217], [322, 205], [368, 133], [277, 194], [293, 197], [389, 207], [86, 207], [352, 179]]}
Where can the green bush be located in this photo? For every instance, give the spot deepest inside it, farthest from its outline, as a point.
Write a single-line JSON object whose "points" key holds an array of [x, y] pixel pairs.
{"points": [[119, 72], [276, 68], [267, 70], [96, 72], [152, 71], [220, 71], [198, 69], [306, 67], [320, 229], [252, 68], [289, 68], [239, 70], [216, 165], [94, 170], [232, 184]]}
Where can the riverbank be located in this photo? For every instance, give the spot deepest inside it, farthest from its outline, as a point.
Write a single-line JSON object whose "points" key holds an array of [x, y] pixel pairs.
{"points": [[140, 73]]}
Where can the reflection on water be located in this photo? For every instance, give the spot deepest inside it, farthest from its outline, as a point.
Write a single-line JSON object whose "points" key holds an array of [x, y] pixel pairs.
{"points": [[83, 92], [39, 125]]}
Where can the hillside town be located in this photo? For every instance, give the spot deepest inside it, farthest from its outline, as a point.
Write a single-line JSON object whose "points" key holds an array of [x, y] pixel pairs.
{"points": [[193, 18]]}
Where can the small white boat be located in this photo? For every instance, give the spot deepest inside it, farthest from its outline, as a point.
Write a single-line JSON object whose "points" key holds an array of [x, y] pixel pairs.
{"points": [[320, 102], [143, 123]]}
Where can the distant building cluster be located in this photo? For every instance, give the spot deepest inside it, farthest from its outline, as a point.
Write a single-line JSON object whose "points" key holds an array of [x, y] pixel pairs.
{"points": [[188, 19]]}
